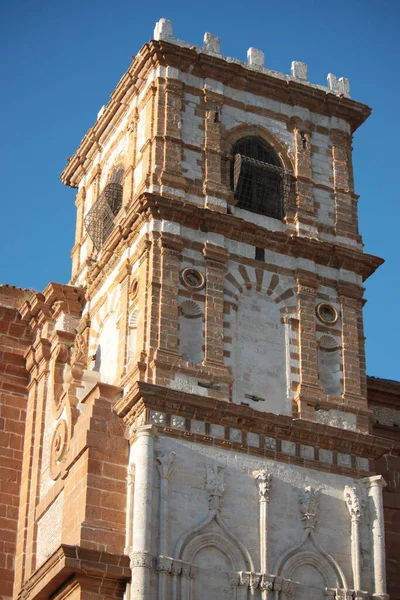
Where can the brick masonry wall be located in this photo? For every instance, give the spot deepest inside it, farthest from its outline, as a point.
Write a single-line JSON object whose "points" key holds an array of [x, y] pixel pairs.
{"points": [[14, 341]]}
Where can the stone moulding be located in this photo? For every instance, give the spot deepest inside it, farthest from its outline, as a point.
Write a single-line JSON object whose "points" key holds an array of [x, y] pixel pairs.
{"points": [[143, 398], [148, 206], [75, 560], [235, 75]]}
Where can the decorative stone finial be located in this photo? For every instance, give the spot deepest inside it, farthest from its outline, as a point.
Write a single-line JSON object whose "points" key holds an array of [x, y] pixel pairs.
{"points": [[163, 30], [339, 86], [215, 485], [212, 43], [255, 57], [299, 70], [263, 480], [309, 507]]}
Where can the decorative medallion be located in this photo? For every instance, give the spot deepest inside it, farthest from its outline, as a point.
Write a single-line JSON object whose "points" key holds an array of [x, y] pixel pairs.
{"points": [[134, 289], [327, 313], [59, 446], [192, 279]]}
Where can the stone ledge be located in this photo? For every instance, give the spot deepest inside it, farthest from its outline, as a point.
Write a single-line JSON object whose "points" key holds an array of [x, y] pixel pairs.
{"points": [[74, 560]]}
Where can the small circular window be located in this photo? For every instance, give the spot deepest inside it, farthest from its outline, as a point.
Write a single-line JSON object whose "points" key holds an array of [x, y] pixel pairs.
{"points": [[192, 279], [327, 313]]}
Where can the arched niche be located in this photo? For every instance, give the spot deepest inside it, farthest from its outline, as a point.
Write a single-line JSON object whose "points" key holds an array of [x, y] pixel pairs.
{"points": [[215, 558], [330, 366], [259, 347], [191, 331]]}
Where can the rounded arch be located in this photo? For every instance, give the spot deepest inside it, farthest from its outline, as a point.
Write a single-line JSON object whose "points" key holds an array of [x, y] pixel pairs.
{"points": [[232, 136]]}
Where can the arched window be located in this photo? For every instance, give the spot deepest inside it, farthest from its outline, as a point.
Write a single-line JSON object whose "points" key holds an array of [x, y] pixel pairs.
{"points": [[99, 221], [259, 182]]}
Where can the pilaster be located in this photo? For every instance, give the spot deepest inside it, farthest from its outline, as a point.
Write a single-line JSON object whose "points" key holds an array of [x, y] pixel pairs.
{"points": [[213, 189], [216, 259], [309, 391]]}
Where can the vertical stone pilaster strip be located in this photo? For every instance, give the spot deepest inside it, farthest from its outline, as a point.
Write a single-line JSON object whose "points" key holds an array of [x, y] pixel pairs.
{"points": [[302, 132], [123, 278], [130, 480], [216, 259], [171, 248], [42, 354], [76, 251], [350, 298], [375, 506], [26, 475], [346, 220], [263, 480], [172, 167], [212, 187], [141, 556], [165, 465], [309, 390]]}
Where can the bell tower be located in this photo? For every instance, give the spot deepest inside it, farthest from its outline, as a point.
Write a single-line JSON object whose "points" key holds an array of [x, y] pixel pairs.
{"points": [[197, 417]]}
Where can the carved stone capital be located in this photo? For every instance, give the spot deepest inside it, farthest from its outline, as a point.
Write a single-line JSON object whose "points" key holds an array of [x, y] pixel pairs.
{"points": [[165, 463], [164, 564], [141, 559], [263, 480], [352, 502]]}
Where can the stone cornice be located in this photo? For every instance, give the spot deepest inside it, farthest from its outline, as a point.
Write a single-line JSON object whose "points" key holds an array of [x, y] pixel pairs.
{"points": [[74, 560], [204, 65], [71, 297], [144, 397], [235, 228], [384, 392]]}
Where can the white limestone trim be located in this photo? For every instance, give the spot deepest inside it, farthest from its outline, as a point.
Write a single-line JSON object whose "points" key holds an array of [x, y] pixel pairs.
{"points": [[353, 505], [374, 485], [165, 465], [141, 556]]}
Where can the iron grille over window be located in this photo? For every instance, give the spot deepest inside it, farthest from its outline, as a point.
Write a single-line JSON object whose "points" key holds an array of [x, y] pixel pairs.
{"points": [[100, 219], [260, 184]]}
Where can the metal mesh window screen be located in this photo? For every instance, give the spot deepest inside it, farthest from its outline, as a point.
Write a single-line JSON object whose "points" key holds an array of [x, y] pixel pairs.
{"points": [[259, 182], [99, 221]]}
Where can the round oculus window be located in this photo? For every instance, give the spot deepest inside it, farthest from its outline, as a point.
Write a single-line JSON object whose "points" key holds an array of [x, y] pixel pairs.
{"points": [[192, 279], [327, 313]]}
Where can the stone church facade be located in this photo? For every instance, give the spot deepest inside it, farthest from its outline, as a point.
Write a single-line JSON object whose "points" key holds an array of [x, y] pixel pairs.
{"points": [[190, 416]]}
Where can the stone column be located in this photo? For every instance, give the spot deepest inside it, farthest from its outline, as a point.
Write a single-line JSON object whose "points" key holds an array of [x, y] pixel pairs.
{"points": [[353, 506], [263, 480], [216, 259], [350, 298], [165, 465], [141, 557], [375, 506], [309, 392]]}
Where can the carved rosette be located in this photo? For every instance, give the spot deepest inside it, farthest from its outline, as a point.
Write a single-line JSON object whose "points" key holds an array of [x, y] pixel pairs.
{"points": [[309, 507]]}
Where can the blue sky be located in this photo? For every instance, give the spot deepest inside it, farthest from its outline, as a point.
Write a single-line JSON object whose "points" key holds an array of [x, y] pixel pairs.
{"points": [[61, 60]]}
